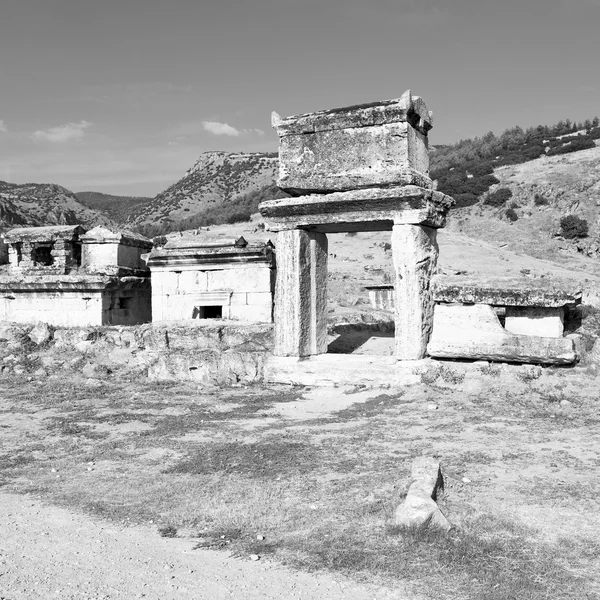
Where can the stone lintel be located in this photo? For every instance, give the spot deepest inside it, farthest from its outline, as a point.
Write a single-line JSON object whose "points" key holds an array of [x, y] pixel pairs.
{"points": [[407, 108], [498, 291], [382, 208]]}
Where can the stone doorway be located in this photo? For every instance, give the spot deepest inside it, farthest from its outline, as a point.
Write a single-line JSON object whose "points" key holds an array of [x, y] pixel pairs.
{"points": [[354, 169], [357, 262]]}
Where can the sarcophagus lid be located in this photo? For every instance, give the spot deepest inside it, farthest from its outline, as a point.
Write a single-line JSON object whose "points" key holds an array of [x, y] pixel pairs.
{"points": [[368, 145]]}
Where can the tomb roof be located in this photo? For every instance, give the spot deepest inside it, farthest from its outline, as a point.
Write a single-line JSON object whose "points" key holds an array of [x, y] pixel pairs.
{"points": [[407, 108], [43, 234], [505, 291], [195, 250], [105, 235]]}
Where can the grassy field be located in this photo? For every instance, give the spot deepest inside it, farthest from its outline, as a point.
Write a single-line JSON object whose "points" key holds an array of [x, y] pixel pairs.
{"points": [[311, 477]]}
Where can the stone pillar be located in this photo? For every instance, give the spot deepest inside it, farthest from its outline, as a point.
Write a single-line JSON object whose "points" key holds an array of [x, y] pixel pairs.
{"points": [[415, 252], [301, 293]]}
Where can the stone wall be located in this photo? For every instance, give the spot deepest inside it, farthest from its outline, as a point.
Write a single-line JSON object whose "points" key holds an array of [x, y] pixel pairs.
{"points": [[244, 293], [211, 353]]}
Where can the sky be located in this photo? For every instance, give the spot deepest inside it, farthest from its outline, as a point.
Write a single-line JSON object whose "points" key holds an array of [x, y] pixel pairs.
{"points": [[122, 96]]}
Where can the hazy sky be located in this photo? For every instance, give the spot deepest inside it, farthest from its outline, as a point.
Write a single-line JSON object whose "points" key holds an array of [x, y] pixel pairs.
{"points": [[123, 95]]}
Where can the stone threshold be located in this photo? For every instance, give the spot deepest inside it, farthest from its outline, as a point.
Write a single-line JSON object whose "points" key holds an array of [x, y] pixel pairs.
{"points": [[344, 370]]}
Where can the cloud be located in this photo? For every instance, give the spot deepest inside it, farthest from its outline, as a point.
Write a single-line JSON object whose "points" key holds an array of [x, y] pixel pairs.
{"points": [[220, 128], [62, 133], [224, 129], [2, 127]]}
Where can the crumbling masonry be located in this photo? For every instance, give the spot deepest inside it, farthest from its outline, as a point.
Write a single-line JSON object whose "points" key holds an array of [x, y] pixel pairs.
{"points": [[359, 168]]}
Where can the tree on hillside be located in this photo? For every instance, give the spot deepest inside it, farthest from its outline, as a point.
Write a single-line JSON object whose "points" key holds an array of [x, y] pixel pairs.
{"points": [[572, 227]]}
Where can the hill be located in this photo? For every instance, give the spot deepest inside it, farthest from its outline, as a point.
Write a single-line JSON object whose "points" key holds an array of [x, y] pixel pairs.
{"points": [[38, 204], [465, 170], [117, 208], [539, 194], [215, 179]]}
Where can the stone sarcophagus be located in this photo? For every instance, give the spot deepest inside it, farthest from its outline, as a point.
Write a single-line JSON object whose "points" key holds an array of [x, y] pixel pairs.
{"points": [[114, 252], [341, 149], [46, 250], [65, 277], [219, 279]]}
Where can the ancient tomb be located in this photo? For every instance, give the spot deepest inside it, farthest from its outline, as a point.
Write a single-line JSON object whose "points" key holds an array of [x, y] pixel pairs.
{"points": [[466, 323], [55, 275], [359, 168], [221, 279]]}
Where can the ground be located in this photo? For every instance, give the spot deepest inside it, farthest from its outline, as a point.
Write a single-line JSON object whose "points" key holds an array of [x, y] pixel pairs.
{"points": [[94, 473], [306, 478]]}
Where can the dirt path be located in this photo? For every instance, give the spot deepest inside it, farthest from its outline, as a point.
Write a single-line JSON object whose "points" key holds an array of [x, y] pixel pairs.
{"points": [[48, 552]]}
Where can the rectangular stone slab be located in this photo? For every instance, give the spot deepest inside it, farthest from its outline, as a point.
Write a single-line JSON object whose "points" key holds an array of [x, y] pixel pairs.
{"points": [[498, 291], [533, 320], [370, 145], [474, 332], [346, 211]]}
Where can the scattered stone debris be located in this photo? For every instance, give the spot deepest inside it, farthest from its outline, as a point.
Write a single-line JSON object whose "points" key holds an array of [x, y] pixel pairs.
{"points": [[420, 508]]}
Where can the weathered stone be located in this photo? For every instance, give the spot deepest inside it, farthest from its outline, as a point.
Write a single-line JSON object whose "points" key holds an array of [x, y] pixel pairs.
{"points": [[415, 253], [427, 470], [223, 279], [533, 320], [498, 291], [382, 143], [55, 249], [47, 282], [75, 300], [114, 252], [474, 332], [301, 294], [376, 209], [578, 344], [419, 508], [40, 334], [343, 369], [10, 332], [594, 354]]}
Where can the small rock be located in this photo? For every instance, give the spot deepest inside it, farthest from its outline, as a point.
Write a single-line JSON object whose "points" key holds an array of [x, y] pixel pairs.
{"points": [[432, 407], [40, 334], [466, 480], [260, 538], [254, 557]]}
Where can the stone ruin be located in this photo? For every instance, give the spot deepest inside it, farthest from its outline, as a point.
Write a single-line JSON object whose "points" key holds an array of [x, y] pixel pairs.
{"points": [[223, 279], [366, 168], [359, 168], [63, 276]]}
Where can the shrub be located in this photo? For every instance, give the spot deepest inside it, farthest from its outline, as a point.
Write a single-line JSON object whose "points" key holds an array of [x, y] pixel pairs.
{"points": [[463, 200], [499, 197], [540, 200], [511, 215], [572, 227], [239, 217]]}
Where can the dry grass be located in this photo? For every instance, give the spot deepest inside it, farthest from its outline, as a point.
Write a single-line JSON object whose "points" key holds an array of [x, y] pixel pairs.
{"points": [[315, 494]]}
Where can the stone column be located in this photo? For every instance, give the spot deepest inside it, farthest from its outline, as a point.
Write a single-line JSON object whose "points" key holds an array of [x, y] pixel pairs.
{"points": [[415, 253], [301, 293]]}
